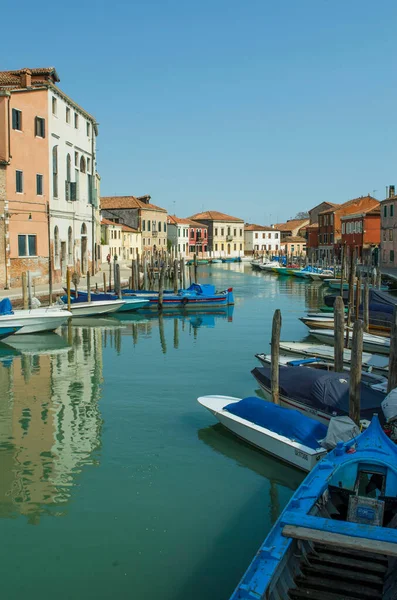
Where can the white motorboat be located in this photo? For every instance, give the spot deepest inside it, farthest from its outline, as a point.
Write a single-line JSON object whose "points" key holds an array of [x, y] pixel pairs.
{"points": [[376, 382], [371, 343], [322, 321], [91, 309], [36, 320], [321, 275], [370, 362], [286, 444], [269, 266]]}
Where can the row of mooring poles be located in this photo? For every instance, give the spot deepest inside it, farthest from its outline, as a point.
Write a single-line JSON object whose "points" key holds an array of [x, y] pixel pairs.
{"points": [[339, 348]]}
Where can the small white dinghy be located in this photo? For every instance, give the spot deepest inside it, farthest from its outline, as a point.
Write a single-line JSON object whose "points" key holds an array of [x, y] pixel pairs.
{"points": [[284, 433]]}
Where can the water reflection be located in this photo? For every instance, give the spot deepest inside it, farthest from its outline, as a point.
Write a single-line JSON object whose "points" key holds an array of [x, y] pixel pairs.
{"points": [[224, 442], [50, 424]]}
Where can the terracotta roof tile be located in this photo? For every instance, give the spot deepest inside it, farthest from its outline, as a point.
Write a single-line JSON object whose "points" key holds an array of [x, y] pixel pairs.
{"points": [[108, 222], [119, 202], [13, 78], [129, 229], [214, 215], [351, 206], [173, 220], [291, 224], [254, 227], [291, 239], [312, 226]]}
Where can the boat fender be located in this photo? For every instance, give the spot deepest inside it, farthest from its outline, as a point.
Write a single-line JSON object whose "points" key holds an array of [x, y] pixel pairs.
{"points": [[185, 300]]}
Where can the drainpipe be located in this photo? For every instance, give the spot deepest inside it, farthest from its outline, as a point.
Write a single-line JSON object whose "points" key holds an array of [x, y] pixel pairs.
{"points": [[93, 225]]}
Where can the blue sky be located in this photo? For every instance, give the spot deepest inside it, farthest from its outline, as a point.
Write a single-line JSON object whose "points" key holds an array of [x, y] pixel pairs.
{"points": [[258, 108]]}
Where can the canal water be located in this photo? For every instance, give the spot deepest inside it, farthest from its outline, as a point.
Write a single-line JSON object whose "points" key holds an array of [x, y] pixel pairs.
{"points": [[114, 481]]}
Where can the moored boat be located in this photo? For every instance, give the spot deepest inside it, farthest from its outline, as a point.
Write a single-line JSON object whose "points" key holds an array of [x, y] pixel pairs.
{"points": [[196, 296], [370, 362], [91, 309], [35, 320], [129, 304], [371, 343], [320, 395], [287, 435], [336, 538], [376, 382]]}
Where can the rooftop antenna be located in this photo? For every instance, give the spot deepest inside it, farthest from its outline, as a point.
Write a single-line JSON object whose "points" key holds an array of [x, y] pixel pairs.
{"points": [[173, 202], [374, 192]]}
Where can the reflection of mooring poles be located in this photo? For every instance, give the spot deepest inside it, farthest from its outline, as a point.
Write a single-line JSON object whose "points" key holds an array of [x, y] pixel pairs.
{"points": [[162, 336], [117, 340], [176, 334], [135, 333], [274, 503]]}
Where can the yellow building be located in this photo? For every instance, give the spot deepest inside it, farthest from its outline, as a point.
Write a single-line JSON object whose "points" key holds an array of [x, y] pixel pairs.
{"points": [[225, 233]]}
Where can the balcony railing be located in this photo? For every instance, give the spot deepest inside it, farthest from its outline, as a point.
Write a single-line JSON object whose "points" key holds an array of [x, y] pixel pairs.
{"points": [[155, 233], [229, 238]]}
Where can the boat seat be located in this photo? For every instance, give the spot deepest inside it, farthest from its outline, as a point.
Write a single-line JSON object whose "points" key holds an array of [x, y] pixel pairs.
{"points": [[367, 511]]}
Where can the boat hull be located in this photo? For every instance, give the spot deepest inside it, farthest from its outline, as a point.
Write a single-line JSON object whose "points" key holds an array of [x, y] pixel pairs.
{"points": [[130, 304], [36, 320], [371, 343], [288, 451], [91, 309], [7, 331]]}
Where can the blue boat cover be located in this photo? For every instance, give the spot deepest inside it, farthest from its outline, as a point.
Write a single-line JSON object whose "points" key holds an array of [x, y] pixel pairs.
{"points": [[289, 423], [204, 289], [6, 307], [328, 392]]}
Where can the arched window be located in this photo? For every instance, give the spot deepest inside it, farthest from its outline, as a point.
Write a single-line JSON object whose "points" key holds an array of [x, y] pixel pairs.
{"points": [[55, 171], [70, 246], [84, 229], [82, 165], [56, 247]]}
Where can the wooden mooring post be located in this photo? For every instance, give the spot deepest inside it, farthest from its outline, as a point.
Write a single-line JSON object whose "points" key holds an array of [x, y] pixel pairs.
{"points": [[68, 280], [366, 305], [175, 276], [161, 286], [358, 296], [25, 291], [195, 268], [342, 269], [104, 282], [339, 328], [117, 282], [88, 286], [275, 354], [355, 372], [132, 274], [352, 273], [183, 268], [392, 383]]}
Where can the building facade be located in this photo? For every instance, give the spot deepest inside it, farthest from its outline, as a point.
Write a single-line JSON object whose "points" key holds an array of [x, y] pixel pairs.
{"points": [[111, 240], [198, 239], [330, 225], [294, 246], [140, 214], [24, 181], [48, 146], [225, 233], [388, 211], [132, 243], [293, 227], [361, 233], [178, 234], [259, 239]]}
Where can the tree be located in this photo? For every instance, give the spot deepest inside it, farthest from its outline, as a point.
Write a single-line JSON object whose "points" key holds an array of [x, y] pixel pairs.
{"points": [[303, 214]]}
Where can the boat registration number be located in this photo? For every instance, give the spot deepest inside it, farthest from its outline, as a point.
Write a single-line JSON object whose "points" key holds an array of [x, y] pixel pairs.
{"points": [[301, 454]]}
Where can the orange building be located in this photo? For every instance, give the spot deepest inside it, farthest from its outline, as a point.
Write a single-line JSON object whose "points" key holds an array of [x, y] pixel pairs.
{"points": [[24, 180]]}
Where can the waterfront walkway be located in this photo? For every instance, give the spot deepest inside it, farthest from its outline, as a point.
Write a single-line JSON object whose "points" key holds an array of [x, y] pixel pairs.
{"points": [[41, 291]]}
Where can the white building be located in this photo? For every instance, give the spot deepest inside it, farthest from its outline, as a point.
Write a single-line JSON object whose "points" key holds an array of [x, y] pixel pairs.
{"points": [[261, 240], [178, 234], [73, 200], [111, 240]]}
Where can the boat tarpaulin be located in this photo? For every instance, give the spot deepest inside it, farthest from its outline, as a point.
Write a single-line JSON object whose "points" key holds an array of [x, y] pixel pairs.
{"points": [[6, 307], [205, 289], [328, 392], [289, 423]]}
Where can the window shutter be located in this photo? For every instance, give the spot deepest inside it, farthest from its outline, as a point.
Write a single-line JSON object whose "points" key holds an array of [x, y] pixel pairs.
{"points": [[14, 118], [43, 127], [36, 126], [73, 193]]}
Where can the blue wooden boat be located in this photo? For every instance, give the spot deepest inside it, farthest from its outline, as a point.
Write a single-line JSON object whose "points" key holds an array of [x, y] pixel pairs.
{"points": [[232, 259], [129, 305], [6, 331], [196, 296], [337, 538]]}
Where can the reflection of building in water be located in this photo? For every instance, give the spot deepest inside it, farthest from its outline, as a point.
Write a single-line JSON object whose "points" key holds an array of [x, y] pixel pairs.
{"points": [[49, 423]]}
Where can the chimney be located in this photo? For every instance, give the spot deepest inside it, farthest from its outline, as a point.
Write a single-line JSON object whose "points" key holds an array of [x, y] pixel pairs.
{"points": [[26, 77], [392, 191]]}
